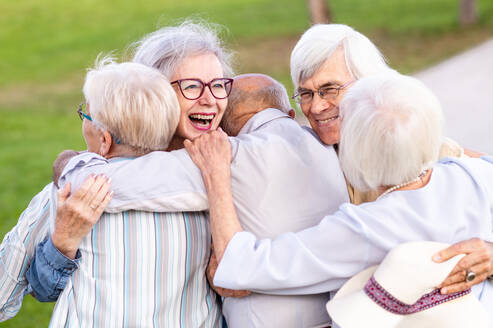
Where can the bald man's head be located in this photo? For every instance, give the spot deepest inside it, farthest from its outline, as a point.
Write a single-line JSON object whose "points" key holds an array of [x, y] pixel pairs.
{"points": [[251, 94]]}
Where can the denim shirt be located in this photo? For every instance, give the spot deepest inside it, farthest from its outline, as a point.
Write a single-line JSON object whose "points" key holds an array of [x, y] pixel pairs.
{"points": [[49, 271]]}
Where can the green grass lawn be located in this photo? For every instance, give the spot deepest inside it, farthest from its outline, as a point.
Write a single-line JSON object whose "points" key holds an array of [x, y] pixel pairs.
{"points": [[46, 46]]}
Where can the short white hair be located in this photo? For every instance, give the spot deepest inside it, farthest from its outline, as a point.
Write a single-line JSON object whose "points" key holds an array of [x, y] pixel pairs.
{"points": [[320, 41], [391, 131], [165, 49], [134, 102]]}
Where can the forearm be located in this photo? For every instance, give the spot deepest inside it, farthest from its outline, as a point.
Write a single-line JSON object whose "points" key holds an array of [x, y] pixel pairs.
{"points": [[17, 249], [144, 183], [223, 219]]}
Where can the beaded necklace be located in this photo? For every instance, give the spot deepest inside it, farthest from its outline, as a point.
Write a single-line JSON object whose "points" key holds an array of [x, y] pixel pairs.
{"points": [[404, 184]]}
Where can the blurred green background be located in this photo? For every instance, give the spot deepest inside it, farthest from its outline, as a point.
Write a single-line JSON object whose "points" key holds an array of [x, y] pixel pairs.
{"points": [[45, 47]]}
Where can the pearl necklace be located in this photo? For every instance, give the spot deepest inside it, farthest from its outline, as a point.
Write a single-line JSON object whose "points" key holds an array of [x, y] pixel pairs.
{"points": [[404, 184]]}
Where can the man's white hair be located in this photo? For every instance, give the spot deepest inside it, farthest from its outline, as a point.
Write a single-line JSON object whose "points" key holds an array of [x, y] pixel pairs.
{"points": [[391, 131], [165, 49], [134, 102], [320, 41]]}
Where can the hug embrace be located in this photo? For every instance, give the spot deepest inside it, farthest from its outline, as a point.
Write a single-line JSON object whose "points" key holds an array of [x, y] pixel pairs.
{"points": [[198, 184]]}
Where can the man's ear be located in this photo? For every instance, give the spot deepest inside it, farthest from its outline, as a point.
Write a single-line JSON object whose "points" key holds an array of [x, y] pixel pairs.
{"points": [[106, 142], [292, 113]]}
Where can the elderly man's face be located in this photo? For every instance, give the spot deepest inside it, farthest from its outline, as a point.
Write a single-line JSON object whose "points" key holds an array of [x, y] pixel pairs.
{"points": [[323, 114]]}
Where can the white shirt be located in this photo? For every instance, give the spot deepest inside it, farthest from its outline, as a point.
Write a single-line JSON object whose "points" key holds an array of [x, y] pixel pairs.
{"points": [[283, 179], [455, 205]]}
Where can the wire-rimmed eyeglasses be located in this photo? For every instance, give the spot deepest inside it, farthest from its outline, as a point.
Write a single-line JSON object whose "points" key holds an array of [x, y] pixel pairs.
{"points": [[83, 115], [330, 92]]}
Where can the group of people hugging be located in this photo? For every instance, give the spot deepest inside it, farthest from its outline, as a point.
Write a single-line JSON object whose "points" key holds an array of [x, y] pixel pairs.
{"points": [[201, 202]]}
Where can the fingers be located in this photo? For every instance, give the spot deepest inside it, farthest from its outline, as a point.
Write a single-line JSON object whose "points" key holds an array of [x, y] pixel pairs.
{"points": [[463, 247], [102, 205], [459, 275], [462, 284], [100, 183], [477, 260], [98, 192], [210, 151], [63, 193], [231, 292], [84, 188]]}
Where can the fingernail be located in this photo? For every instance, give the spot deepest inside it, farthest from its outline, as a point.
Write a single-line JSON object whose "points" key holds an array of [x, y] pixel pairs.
{"points": [[109, 180], [437, 257], [443, 291], [112, 193]]}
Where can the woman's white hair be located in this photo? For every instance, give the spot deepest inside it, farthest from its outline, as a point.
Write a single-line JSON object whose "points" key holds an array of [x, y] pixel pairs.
{"points": [[320, 41], [391, 131], [134, 102], [166, 48]]}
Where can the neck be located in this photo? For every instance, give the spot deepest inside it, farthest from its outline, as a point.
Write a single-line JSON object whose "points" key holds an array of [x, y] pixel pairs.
{"points": [[176, 143], [417, 183], [123, 151]]}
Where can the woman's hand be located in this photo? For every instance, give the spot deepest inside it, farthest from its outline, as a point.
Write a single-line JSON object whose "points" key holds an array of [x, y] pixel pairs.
{"points": [[211, 152], [478, 259], [77, 213]]}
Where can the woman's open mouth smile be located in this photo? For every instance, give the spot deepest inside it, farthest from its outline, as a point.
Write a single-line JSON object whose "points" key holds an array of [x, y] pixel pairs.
{"points": [[202, 121]]}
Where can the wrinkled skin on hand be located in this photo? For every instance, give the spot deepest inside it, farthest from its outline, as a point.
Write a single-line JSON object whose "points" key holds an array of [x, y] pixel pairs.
{"points": [[479, 259], [211, 271], [77, 213]]}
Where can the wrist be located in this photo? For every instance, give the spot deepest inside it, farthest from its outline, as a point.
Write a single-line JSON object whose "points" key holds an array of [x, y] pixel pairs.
{"points": [[65, 246], [218, 178]]}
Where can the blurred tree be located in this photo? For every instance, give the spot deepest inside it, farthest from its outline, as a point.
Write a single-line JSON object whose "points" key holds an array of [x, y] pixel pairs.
{"points": [[320, 12], [467, 12]]}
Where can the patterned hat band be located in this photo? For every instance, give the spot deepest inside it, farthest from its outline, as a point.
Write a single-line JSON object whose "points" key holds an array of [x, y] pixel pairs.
{"points": [[388, 302]]}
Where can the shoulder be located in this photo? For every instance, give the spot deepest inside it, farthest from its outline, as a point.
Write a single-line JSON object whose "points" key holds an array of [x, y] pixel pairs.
{"points": [[450, 148]]}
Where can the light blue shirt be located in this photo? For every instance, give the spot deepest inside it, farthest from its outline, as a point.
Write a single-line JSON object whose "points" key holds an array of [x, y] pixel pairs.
{"points": [[455, 205]]}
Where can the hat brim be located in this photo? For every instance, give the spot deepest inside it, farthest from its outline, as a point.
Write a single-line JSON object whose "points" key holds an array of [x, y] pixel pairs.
{"points": [[352, 308]]}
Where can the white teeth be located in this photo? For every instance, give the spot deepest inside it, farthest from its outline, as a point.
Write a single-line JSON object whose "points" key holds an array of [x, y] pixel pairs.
{"points": [[202, 117]]}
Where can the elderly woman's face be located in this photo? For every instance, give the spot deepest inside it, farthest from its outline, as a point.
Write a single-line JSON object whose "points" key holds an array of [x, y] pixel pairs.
{"points": [[203, 114], [323, 114]]}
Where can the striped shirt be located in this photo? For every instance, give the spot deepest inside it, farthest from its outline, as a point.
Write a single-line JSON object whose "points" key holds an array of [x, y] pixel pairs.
{"points": [[17, 249], [137, 269], [141, 269]]}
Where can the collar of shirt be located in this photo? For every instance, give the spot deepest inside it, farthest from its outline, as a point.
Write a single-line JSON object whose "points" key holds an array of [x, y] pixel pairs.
{"points": [[261, 118]]}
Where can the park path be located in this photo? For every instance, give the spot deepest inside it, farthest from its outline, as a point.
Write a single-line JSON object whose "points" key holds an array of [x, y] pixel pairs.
{"points": [[464, 86]]}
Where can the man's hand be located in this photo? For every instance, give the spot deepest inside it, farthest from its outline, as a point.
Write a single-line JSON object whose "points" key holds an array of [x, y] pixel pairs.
{"points": [[79, 212], [211, 271], [60, 163], [478, 259]]}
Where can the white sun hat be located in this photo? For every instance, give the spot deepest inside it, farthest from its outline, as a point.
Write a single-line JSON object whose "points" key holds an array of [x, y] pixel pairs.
{"points": [[401, 293]]}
